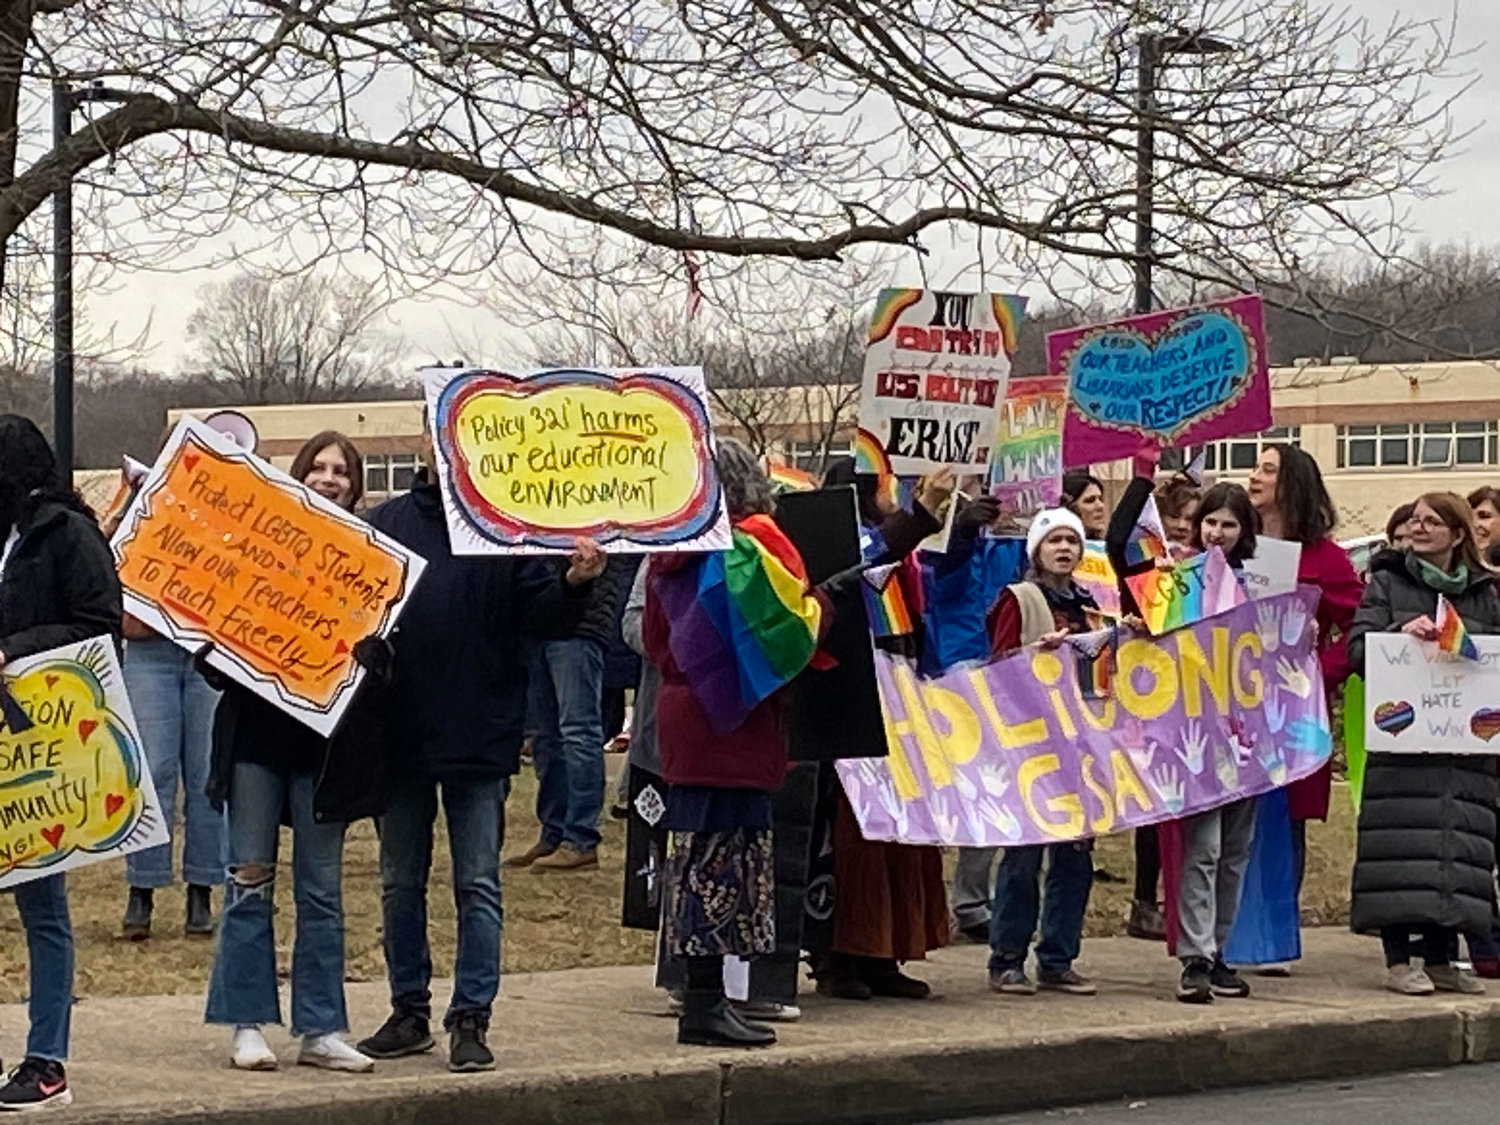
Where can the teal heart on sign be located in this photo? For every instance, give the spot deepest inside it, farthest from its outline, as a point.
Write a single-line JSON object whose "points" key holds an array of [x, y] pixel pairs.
{"points": [[1164, 383]]}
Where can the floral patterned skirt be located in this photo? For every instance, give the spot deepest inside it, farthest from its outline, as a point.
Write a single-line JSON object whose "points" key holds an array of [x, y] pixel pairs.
{"points": [[721, 894]]}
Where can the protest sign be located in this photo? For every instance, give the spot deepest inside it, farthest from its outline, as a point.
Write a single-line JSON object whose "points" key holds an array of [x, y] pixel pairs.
{"points": [[1174, 378], [1096, 574], [1185, 592], [1421, 700], [74, 787], [936, 366], [1273, 569], [221, 549], [1026, 466], [529, 464], [1012, 753]]}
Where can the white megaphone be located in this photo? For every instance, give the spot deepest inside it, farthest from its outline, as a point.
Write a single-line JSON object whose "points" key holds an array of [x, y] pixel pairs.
{"points": [[235, 426]]}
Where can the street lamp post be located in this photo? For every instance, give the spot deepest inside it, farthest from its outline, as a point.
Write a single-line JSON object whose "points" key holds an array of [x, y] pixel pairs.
{"points": [[65, 100], [1151, 51]]}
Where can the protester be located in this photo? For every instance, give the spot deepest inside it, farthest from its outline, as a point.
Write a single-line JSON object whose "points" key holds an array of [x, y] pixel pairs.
{"points": [[57, 587], [890, 900], [723, 755], [1042, 610], [1288, 494], [1083, 495], [1177, 503], [457, 711], [1485, 503], [1397, 529], [269, 768], [1426, 852], [565, 665]]}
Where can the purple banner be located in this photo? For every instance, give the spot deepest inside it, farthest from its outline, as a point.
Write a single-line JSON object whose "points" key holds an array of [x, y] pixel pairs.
{"points": [[1018, 752]]}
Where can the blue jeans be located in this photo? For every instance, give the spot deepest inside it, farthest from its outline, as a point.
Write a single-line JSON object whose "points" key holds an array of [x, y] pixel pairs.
{"points": [[43, 906], [242, 989], [1013, 920], [475, 814], [174, 708], [567, 739]]}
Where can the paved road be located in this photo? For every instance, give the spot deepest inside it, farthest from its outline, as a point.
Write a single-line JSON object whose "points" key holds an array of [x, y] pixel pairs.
{"points": [[1465, 1095]]}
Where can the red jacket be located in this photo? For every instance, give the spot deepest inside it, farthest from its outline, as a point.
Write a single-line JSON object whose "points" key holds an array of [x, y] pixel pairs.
{"points": [[752, 756], [1326, 566]]}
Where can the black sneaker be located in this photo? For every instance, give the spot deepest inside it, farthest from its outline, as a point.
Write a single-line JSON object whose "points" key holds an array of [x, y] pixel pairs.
{"points": [[1227, 982], [405, 1033], [1196, 986], [467, 1051], [36, 1084]]}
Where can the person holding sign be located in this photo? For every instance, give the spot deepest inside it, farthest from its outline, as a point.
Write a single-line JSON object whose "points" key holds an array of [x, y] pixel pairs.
{"points": [[1042, 610], [267, 764], [1425, 852], [57, 587], [456, 708]]}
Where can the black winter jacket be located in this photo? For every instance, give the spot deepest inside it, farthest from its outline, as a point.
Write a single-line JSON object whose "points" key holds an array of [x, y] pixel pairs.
{"points": [[601, 618], [59, 585], [456, 704], [1427, 821]]}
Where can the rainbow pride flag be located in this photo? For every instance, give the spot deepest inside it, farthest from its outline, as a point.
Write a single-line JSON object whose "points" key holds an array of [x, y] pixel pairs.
{"points": [[1452, 637], [788, 478], [885, 604], [1148, 538], [742, 623], [1189, 591]]}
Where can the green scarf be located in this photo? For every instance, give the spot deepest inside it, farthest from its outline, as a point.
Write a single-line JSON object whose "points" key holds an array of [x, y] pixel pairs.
{"points": [[1440, 580]]}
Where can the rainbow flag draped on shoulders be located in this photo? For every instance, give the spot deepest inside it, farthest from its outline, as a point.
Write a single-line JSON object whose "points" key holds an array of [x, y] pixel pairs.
{"points": [[742, 623]]}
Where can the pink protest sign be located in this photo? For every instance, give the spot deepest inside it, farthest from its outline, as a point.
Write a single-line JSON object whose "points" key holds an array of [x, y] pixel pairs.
{"points": [[1173, 378]]}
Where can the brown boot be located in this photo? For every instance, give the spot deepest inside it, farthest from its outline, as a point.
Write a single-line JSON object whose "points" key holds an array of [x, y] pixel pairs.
{"points": [[568, 858], [537, 851]]}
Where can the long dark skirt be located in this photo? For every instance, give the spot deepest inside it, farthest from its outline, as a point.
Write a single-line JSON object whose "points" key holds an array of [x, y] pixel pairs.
{"points": [[721, 894]]}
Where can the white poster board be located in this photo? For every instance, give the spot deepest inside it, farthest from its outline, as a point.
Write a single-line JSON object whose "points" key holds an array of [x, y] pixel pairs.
{"points": [[1273, 569], [529, 463], [74, 785], [936, 368], [1419, 700]]}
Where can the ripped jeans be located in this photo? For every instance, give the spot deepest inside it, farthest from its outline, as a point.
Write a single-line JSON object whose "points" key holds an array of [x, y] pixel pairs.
{"points": [[242, 989]]}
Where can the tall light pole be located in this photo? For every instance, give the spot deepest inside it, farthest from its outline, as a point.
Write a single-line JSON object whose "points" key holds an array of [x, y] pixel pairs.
{"points": [[1152, 50], [65, 100]]}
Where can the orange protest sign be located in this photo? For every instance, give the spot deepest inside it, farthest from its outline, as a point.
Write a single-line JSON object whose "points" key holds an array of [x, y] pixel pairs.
{"points": [[220, 548]]}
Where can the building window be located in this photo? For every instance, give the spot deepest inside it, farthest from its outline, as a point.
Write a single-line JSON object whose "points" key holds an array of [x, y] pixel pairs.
{"points": [[1236, 455], [1427, 445], [390, 472], [808, 455]]}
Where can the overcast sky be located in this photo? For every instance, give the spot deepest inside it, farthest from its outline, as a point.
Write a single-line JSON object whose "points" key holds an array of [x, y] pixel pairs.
{"points": [[1467, 209]]}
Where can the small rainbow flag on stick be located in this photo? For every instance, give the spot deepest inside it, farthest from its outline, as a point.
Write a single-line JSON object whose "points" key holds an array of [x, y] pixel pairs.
{"points": [[1452, 637]]}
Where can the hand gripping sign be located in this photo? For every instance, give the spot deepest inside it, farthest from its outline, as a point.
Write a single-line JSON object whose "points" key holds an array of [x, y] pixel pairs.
{"points": [[221, 549], [74, 787], [528, 464]]}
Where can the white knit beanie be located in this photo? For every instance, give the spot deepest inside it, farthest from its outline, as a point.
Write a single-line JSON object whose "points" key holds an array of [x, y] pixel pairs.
{"points": [[1048, 521]]}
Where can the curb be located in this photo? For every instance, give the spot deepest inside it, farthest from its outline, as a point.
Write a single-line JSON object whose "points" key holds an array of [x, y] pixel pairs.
{"points": [[920, 1081]]}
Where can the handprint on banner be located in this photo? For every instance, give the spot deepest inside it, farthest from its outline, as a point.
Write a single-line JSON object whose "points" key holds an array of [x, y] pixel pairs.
{"points": [[1293, 679], [995, 779], [1273, 763], [1001, 817], [943, 818], [1193, 745], [1268, 627], [1168, 785], [966, 788], [894, 806], [1275, 712], [1227, 768], [1133, 740], [1309, 738], [1294, 625]]}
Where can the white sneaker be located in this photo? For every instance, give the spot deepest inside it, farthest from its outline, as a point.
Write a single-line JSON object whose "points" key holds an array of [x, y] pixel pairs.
{"points": [[1409, 980], [332, 1053], [251, 1051], [767, 1011], [1450, 978]]}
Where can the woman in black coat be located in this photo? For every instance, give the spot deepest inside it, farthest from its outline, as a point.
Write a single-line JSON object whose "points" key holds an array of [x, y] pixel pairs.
{"points": [[57, 587], [1427, 821]]}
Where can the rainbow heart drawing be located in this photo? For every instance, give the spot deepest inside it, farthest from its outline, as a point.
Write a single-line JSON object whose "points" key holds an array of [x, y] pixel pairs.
{"points": [[1393, 718], [1486, 723]]}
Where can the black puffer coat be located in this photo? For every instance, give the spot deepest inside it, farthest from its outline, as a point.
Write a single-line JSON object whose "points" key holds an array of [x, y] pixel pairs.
{"points": [[1427, 821]]}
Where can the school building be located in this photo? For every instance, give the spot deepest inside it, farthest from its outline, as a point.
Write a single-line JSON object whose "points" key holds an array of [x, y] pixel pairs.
{"points": [[1383, 433]]}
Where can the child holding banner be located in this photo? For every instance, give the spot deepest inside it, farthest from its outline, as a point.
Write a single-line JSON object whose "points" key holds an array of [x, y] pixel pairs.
{"points": [[1425, 852], [1042, 610], [57, 587]]}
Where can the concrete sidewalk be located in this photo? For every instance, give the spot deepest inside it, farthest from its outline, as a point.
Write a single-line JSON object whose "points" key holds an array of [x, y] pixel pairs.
{"points": [[594, 1045]]}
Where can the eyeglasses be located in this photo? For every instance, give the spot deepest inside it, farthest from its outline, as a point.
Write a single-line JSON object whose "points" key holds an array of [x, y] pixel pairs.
{"points": [[1429, 523]]}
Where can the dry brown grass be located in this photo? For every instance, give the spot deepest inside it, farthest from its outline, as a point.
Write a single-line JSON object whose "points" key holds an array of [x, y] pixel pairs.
{"points": [[556, 921]]}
